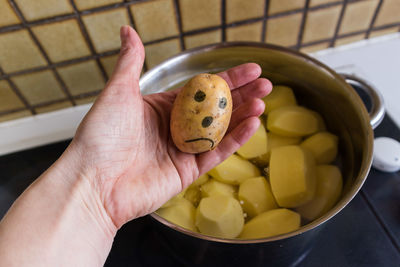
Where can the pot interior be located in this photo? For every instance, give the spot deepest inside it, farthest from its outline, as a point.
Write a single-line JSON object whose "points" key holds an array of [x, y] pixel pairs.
{"points": [[315, 86]]}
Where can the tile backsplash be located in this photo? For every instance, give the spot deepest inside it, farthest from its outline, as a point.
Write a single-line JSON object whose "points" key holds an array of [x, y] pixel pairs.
{"points": [[60, 53]]}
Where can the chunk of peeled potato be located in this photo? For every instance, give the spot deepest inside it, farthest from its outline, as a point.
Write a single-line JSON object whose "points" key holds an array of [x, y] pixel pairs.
{"points": [[220, 216], [323, 146], [256, 145], [274, 141], [181, 212], [199, 181], [214, 187], [329, 188], [292, 176], [256, 196], [234, 170], [293, 121], [280, 96], [271, 223], [193, 194]]}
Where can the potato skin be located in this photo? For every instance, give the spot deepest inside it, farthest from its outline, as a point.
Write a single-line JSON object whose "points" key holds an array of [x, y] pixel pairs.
{"points": [[201, 113]]}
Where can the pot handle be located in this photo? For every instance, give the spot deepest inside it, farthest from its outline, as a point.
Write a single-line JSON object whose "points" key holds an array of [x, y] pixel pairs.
{"points": [[377, 111]]}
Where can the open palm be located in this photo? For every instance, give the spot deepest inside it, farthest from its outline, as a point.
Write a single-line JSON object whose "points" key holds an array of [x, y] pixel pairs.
{"points": [[124, 142]]}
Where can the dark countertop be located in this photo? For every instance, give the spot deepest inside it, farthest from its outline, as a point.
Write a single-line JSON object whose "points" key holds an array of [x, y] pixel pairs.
{"points": [[365, 233]]}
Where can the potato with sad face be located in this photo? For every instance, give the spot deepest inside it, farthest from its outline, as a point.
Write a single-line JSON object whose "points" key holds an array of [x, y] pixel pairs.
{"points": [[201, 113]]}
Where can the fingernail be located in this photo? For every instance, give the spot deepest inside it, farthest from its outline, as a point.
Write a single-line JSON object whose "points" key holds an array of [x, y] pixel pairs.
{"points": [[124, 32]]}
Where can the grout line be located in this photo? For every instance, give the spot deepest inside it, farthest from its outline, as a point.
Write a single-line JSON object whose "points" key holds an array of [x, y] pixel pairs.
{"points": [[2, 113], [380, 220], [223, 20], [19, 94], [302, 25], [133, 24], [178, 17], [264, 23], [377, 9], [339, 23], [88, 40]]}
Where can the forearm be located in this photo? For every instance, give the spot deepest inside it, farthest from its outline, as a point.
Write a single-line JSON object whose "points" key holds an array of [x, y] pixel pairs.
{"points": [[57, 221]]}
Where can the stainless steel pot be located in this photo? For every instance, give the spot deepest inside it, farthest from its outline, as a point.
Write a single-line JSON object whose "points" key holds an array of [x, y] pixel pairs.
{"points": [[316, 86]]}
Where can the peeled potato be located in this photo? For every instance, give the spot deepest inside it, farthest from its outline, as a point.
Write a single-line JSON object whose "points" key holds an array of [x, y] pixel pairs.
{"points": [[271, 223], [292, 176], [329, 188], [220, 216], [256, 196], [274, 141], [321, 122], [201, 113], [175, 198], [199, 181], [193, 194], [323, 146], [234, 170], [181, 212], [292, 121], [279, 97], [214, 187], [256, 145]]}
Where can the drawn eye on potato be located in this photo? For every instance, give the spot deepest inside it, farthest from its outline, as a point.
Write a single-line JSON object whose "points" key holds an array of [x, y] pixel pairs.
{"points": [[201, 113]]}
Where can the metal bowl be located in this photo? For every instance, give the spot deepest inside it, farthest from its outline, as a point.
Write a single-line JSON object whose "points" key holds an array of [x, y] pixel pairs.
{"points": [[317, 87]]}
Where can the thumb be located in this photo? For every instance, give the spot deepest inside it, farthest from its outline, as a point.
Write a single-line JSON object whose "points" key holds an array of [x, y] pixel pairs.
{"points": [[131, 58]]}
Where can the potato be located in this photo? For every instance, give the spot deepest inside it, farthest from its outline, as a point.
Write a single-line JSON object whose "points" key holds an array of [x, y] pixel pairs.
{"points": [[193, 194], [279, 97], [292, 176], [329, 189], [256, 196], [293, 121], [201, 180], [181, 212], [321, 122], [220, 216], [275, 140], [323, 146], [256, 145], [271, 223], [201, 113], [172, 200], [214, 187], [234, 170]]}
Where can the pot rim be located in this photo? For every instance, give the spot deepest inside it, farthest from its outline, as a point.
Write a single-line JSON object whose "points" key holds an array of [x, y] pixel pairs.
{"points": [[344, 201]]}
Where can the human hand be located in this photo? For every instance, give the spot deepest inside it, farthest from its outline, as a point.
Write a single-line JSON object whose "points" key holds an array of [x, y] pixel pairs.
{"points": [[124, 147]]}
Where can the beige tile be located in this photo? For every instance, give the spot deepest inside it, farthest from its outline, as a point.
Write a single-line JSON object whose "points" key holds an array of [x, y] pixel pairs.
{"points": [[103, 28], [40, 9], [237, 10], [389, 13], [357, 16], [202, 39], [284, 30], [390, 30], [197, 14], [350, 39], [249, 32], [53, 107], [156, 53], [85, 100], [155, 19], [109, 64], [321, 2], [279, 6], [39, 87], [15, 115], [18, 52], [8, 99], [7, 14], [87, 4], [82, 77], [62, 40], [313, 48], [321, 24]]}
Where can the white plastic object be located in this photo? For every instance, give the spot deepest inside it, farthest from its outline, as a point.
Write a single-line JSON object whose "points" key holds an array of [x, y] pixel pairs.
{"points": [[386, 154]]}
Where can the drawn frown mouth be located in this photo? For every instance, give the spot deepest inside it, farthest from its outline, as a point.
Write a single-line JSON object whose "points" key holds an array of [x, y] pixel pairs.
{"points": [[199, 139]]}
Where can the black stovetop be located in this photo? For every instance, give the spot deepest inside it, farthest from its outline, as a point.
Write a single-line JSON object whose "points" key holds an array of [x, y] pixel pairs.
{"points": [[365, 233]]}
